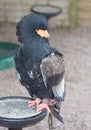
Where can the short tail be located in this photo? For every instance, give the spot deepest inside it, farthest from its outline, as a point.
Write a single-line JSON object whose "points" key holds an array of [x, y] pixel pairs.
{"points": [[56, 113]]}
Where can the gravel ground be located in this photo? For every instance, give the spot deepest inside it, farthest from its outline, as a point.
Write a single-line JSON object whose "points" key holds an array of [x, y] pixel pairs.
{"points": [[76, 47]]}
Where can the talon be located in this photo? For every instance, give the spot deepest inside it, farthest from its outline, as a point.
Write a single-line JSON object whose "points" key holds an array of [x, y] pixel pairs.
{"points": [[42, 106], [34, 102]]}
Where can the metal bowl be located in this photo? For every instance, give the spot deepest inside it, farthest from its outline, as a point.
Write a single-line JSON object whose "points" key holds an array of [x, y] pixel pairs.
{"points": [[47, 10], [14, 112]]}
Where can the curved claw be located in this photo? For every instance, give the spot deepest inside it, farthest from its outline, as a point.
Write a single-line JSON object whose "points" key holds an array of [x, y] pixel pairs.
{"points": [[34, 102], [42, 106]]}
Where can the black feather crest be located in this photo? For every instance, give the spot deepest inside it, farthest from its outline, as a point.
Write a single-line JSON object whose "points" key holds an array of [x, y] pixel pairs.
{"points": [[27, 25]]}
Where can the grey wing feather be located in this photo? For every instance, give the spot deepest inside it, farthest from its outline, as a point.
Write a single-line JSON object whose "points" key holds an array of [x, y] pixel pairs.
{"points": [[53, 70]]}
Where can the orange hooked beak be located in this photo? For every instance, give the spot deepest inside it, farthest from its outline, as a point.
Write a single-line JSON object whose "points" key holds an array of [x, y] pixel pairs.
{"points": [[43, 33]]}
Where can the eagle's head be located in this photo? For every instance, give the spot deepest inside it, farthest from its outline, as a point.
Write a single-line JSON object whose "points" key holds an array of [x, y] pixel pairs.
{"points": [[32, 25]]}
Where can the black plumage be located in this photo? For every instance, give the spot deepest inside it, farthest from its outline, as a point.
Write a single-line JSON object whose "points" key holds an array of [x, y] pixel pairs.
{"points": [[40, 67]]}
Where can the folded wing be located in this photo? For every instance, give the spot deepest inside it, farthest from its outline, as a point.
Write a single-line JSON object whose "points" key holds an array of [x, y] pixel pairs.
{"points": [[53, 71]]}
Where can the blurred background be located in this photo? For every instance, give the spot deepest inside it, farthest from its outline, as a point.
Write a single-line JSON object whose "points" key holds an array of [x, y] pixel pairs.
{"points": [[74, 12], [70, 33]]}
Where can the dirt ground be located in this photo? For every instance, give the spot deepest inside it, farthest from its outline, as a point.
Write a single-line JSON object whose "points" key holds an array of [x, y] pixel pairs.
{"points": [[75, 44]]}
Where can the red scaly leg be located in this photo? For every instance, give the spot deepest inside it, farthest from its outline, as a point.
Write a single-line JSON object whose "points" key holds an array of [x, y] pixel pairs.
{"points": [[34, 102], [44, 105]]}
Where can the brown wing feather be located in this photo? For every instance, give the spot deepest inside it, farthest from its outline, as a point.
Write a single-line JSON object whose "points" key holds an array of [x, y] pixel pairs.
{"points": [[53, 69]]}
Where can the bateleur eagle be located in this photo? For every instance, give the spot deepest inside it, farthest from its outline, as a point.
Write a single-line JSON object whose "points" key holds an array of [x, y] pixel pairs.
{"points": [[40, 67]]}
